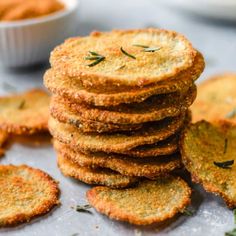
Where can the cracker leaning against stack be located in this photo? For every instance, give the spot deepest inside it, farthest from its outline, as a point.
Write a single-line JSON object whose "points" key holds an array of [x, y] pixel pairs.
{"points": [[120, 101]]}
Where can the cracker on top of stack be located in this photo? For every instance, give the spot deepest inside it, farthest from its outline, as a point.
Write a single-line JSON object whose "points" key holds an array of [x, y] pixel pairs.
{"points": [[120, 101]]}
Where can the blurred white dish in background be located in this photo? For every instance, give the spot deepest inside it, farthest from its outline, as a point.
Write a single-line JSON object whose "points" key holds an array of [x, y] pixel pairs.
{"points": [[28, 42], [218, 9]]}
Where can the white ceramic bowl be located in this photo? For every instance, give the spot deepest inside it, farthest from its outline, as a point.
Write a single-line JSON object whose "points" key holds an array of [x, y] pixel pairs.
{"points": [[28, 42], [217, 9]]}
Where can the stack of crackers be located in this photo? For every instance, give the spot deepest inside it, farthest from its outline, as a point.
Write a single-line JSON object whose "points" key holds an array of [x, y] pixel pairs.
{"points": [[120, 100]]}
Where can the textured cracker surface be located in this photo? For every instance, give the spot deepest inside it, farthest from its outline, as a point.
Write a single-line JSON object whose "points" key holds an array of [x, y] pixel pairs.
{"points": [[25, 113], [72, 88], [201, 145], [94, 176], [25, 193], [116, 142], [3, 139], [214, 102], [175, 55], [148, 167], [153, 109], [149, 202]]}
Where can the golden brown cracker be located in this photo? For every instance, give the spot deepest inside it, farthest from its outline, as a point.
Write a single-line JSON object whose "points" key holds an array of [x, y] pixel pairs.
{"points": [[117, 142], [149, 202], [25, 193], [94, 176], [203, 145], [148, 167], [25, 113]]}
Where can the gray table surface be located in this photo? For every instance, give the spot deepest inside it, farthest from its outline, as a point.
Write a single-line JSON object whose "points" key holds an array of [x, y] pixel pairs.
{"points": [[216, 40]]}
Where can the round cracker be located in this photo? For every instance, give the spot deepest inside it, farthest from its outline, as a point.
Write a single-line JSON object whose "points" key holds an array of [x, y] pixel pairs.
{"points": [[63, 113], [153, 109], [175, 55], [72, 89], [117, 142], [94, 176], [165, 147], [148, 167], [150, 202], [214, 103], [25, 193], [25, 113], [202, 144]]}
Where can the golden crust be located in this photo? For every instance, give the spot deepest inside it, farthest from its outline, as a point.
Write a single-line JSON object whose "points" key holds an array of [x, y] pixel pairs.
{"points": [[150, 202], [94, 176], [12, 10], [165, 147], [202, 144], [117, 142], [214, 103], [25, 113], [72, 89], [63, 114], [175, 55], [25, 193], [3, 139], [154, 108], [148, 167]]}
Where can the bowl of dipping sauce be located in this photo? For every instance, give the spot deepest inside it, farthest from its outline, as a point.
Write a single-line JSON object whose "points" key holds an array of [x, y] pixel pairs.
{"points": [[30, 29]]}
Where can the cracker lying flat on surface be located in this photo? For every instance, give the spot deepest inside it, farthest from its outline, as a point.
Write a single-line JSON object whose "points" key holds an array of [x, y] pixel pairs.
{"points": [[148, 167], [208, 153], [3, 139], [116, 142], [149, 202], [153, 109], [94, 176], [215, 103], [72, 89], [63, 114], [153, 66], [25, 113], [25, 193]]}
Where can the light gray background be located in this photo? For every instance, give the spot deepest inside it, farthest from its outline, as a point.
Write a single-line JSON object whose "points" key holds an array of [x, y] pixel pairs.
{"points": [[216, 40]]}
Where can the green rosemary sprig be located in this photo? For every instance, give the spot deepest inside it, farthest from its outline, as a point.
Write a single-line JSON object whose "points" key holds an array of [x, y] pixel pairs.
{"points": [[225, 164], [126, 53], [94, 56]]}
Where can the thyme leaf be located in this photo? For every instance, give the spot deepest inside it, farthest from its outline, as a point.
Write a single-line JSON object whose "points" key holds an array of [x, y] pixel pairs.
{"points": [[226, 145], [126, 53], [225, 164], [231, 114], [83, 208]]}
